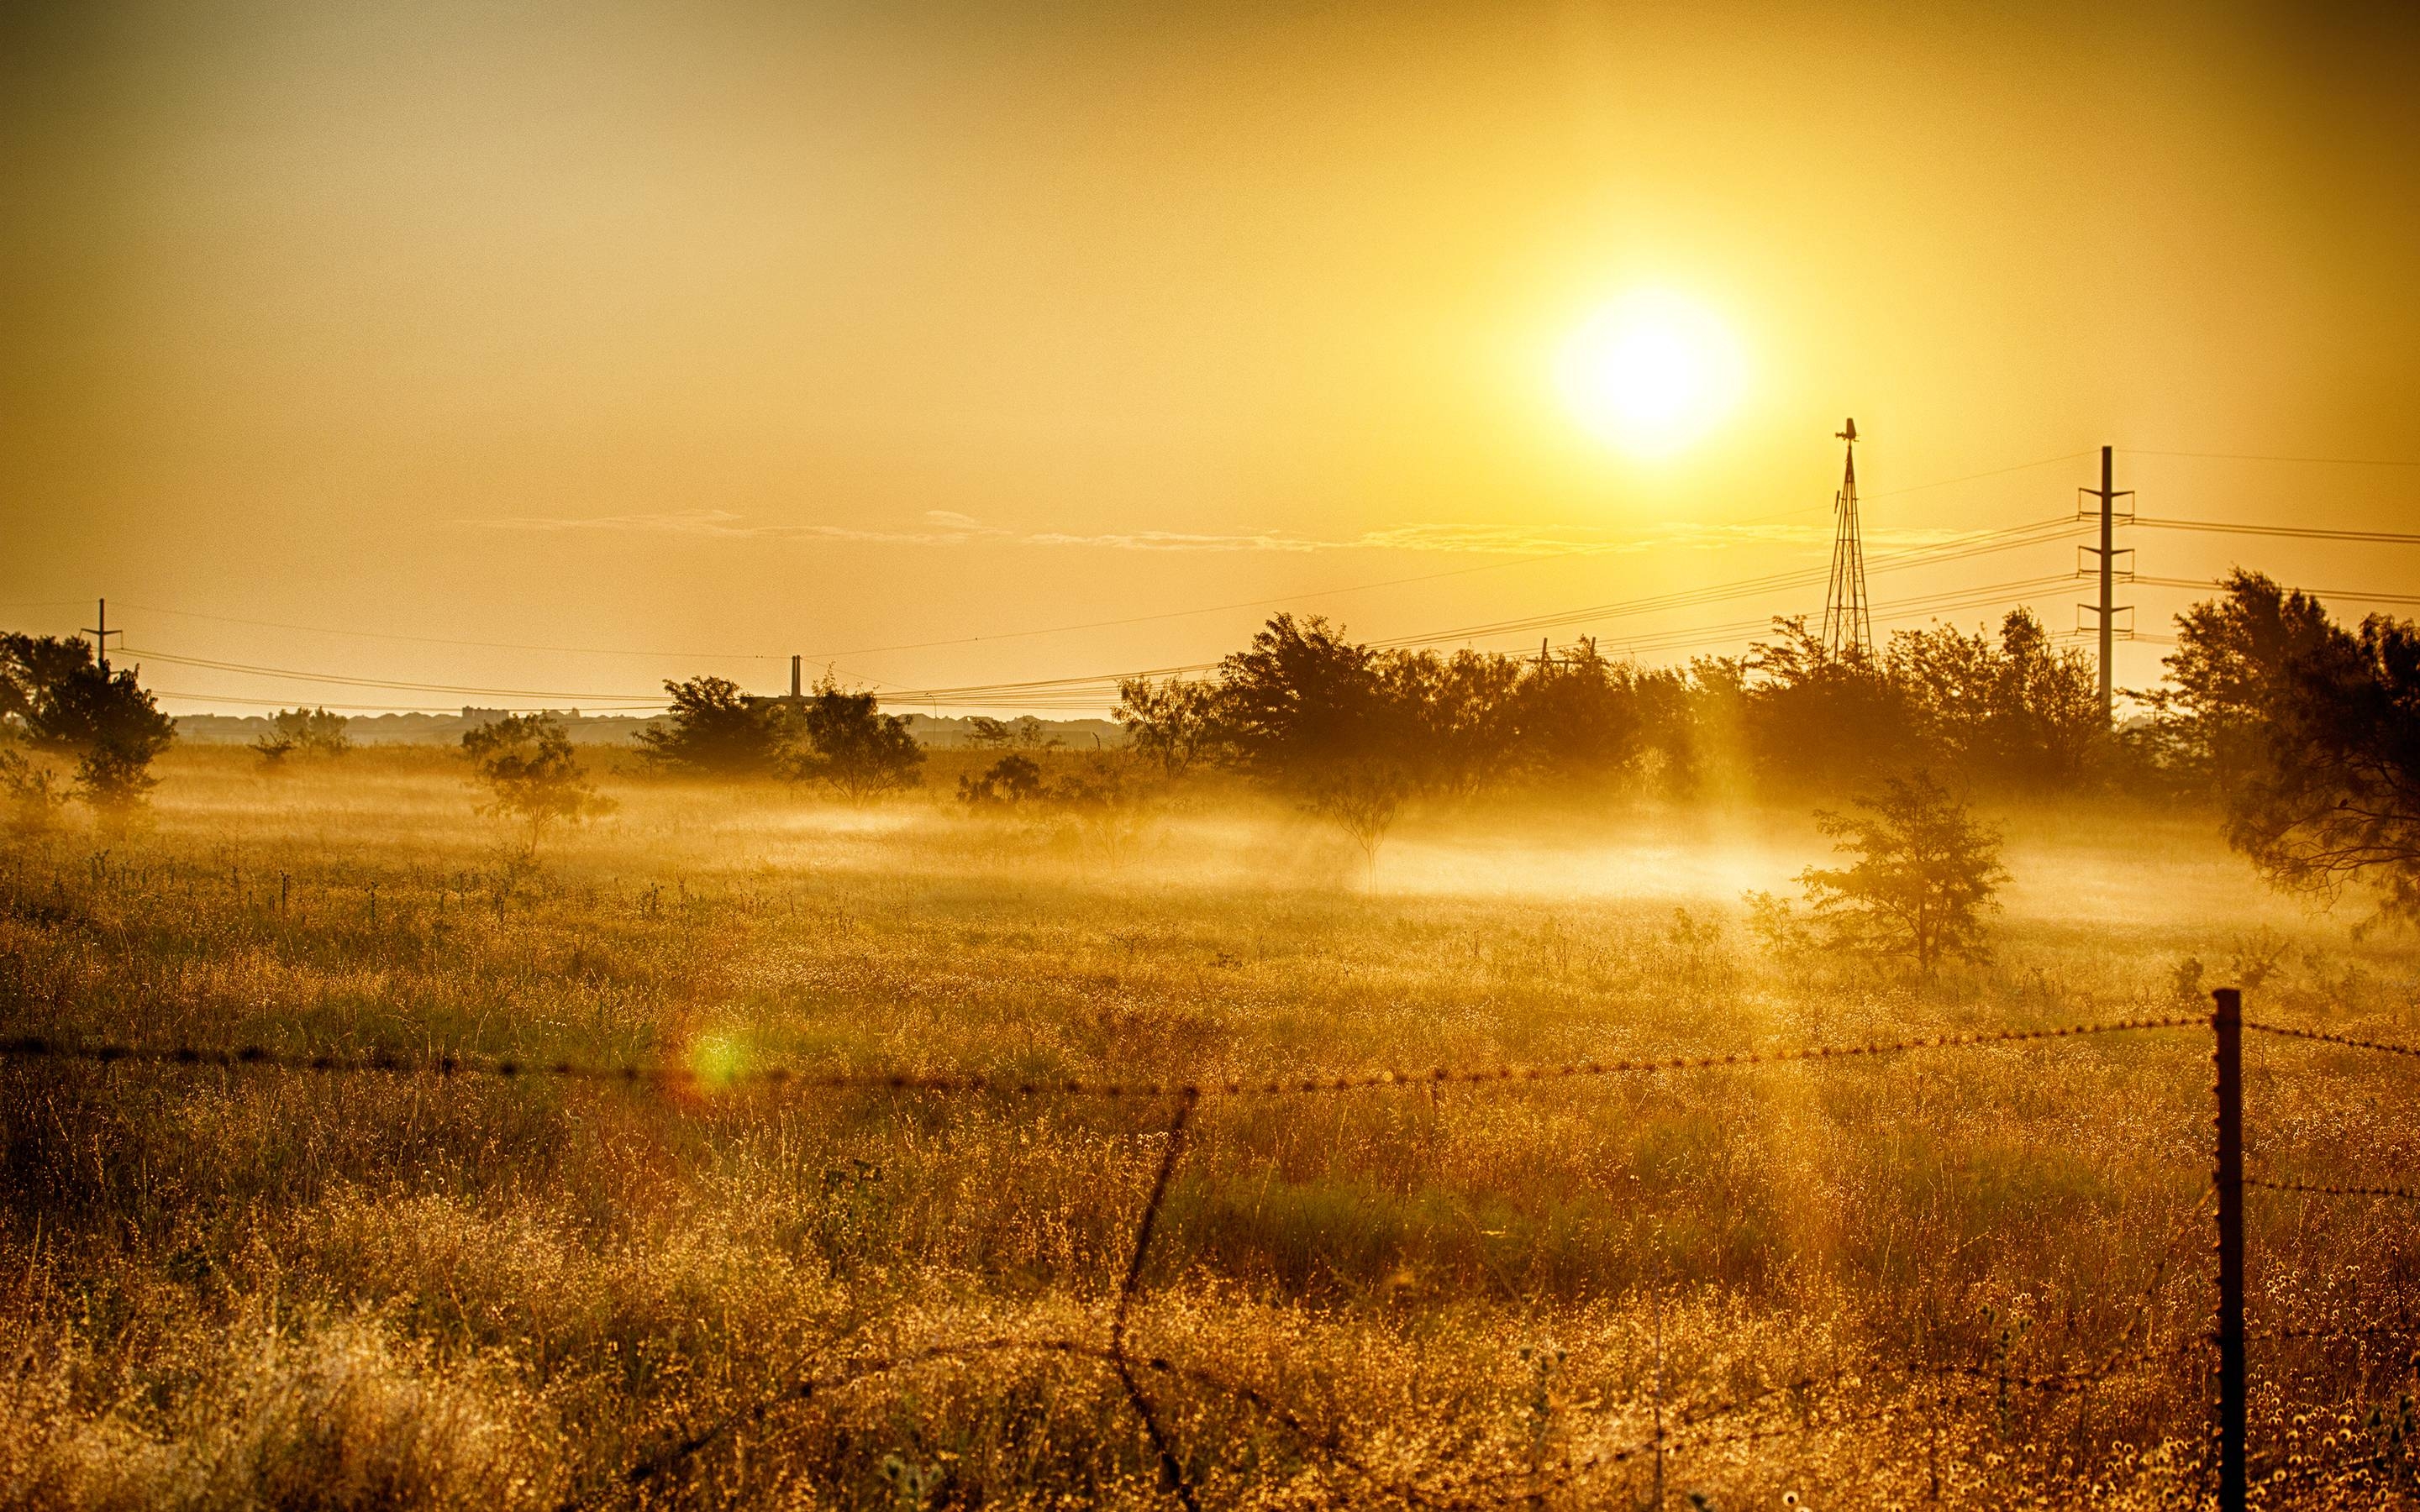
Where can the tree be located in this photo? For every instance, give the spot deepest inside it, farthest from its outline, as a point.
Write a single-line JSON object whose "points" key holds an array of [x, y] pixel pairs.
{"points": [[60, 699], [1812, 716], [852, 747], [526, 763], [2021, 713], [1364, 799], [1926, 874], [2331, 794], [1177, 723], [2237, 656], [1450, 723], [1302, 699], [714, 730]]}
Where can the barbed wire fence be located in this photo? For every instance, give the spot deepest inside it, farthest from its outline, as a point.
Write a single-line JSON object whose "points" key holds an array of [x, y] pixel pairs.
{"points": [[2229, 1334]]}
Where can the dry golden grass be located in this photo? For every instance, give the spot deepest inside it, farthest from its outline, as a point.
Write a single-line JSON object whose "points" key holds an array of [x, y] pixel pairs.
{"points": [[262, 1288]]}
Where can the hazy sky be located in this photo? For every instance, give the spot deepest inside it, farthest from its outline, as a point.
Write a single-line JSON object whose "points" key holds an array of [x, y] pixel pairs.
{"points": [[722, 327]]}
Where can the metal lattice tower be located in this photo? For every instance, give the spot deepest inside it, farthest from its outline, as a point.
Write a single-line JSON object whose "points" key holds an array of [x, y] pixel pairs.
{"points": [[1847, 627]]}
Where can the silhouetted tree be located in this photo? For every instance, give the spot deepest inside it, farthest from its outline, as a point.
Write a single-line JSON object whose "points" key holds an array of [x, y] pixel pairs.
{"points": [[1302, 699], [58, 699], [1926, 874], [2312, 733], [714, 730], [2236, 657], [533, 776], [1363, 798], [1583, 718], [1449, 724], [2021, 713], [1814, 717], [1177, 723], [850, 746]]}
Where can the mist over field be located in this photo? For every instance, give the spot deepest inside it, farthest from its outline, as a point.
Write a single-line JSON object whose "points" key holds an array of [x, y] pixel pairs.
{"points": [[1217, 757], [1969, 1275]]}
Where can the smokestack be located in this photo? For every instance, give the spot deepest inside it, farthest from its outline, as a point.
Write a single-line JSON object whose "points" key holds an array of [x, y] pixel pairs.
{"points": [[794, 677]]}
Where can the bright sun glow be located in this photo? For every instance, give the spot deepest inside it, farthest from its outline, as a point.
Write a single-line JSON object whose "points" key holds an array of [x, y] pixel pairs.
{"points": [[1650, 373]]}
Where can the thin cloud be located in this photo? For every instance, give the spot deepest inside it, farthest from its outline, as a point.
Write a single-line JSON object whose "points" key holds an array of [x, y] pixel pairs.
{"points": [[948, 528]]}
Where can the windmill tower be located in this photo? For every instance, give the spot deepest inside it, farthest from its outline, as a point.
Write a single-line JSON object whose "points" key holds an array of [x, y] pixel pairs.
{"points": [[1846, 626]]}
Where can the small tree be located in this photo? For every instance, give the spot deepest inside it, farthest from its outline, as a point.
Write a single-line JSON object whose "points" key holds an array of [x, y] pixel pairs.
{"points": [[526, 764], [1364, 799], [714, 730], [1925, 875], [854, 748]]}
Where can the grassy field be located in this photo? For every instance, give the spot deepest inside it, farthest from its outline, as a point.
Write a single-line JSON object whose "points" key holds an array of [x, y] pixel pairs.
{"points": [[1976, 1277]]}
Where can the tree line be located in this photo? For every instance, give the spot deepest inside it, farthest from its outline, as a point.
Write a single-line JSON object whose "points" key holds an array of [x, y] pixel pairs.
{"points": [[1306, 708], [2303, 732]]}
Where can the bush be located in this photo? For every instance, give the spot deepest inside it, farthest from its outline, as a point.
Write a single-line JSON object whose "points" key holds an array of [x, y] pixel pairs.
{"points": [[314, 731], [31, 792], [1006, 783]]}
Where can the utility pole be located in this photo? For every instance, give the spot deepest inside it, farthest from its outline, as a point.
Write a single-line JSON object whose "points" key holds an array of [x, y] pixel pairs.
{"points": [[101, 635], [2106, 609], [2227, 1023]]}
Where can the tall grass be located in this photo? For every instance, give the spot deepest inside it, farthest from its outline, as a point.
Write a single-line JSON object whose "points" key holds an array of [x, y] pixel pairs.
{"points": [[255, 1287]]}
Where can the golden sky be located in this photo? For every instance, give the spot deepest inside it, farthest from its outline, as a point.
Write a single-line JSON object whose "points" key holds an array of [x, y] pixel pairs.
{"points": [[735, 330]]}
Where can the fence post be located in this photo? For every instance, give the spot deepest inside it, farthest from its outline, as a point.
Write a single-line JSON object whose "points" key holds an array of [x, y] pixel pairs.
{"points": [[2227, 1024]]}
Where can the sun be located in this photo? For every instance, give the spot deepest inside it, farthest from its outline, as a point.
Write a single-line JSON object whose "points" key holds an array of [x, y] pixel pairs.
{"points": [[1650, 373]]}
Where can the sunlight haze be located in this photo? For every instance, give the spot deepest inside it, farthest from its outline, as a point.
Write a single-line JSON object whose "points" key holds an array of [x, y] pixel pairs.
{"points": [[692, 337]]}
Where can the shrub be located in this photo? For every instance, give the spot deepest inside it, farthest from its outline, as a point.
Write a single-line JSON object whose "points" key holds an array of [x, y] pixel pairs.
{"points": [[31, 792], [1006, 783], [316, 731]]}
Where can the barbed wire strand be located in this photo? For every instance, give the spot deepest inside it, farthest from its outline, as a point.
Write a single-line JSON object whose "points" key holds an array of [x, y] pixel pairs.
{"points": [[2323, 1037], [2407, 1329], [2322, 1189], [510, 1068]]}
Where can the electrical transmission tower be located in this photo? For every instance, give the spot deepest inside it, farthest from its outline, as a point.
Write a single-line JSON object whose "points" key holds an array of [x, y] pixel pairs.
{"points": [[101, 635], [2105, 557], [1847, 627]]}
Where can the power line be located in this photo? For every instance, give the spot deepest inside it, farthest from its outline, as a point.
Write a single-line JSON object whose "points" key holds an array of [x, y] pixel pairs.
{"points": [[2357, 597], [346, 708], [2247, 456], [480, 645], [248, 670], [2304, 533]]}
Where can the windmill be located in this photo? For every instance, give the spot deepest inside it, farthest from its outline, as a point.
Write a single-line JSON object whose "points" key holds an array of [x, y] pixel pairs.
{"points": [[1847, 627]]}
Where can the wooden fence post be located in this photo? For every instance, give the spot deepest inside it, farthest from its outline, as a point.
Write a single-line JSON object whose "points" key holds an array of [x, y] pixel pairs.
{"points": [[2227, 1024]]}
